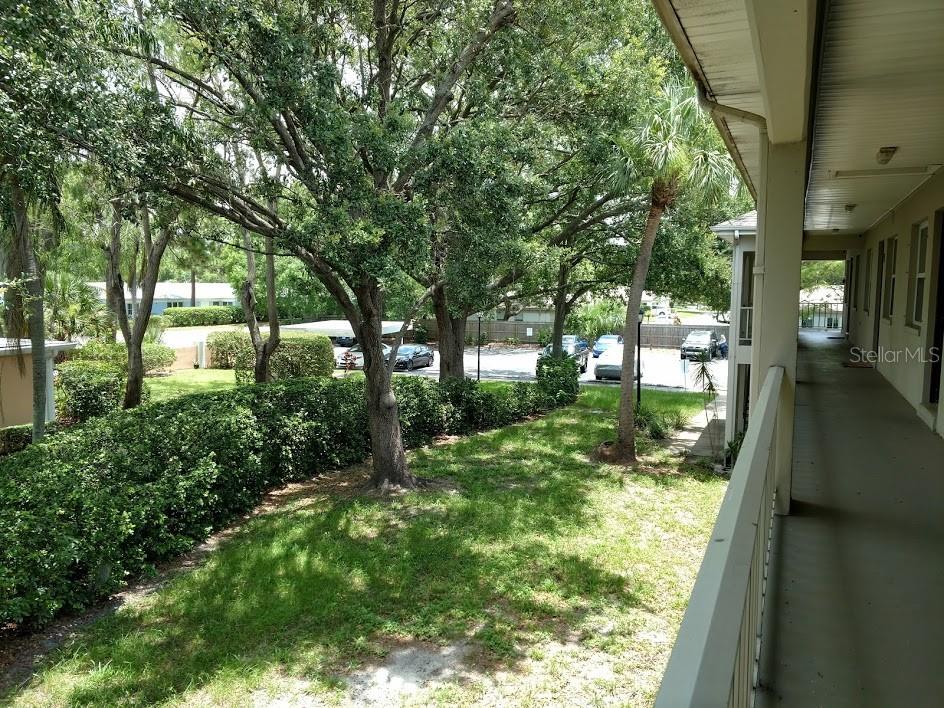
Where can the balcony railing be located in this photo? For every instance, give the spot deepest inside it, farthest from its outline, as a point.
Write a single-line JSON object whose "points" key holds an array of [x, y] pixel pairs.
{"points": [[821, 315], [714, 661], [746, 325]]}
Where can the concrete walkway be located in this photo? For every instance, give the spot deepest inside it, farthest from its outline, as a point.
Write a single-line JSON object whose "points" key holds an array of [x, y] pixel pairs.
{"points": [[855, 616]]}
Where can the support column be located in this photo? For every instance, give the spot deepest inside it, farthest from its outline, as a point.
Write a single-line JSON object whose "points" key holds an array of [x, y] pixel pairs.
{"points": [[777, 291]]}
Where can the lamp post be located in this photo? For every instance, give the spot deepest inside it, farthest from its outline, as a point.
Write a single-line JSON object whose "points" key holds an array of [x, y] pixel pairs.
{"points": [[639, 360], [478, 353]]}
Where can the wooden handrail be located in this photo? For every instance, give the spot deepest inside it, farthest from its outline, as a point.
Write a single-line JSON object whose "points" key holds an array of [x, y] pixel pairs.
{"points": [[713, 662]]}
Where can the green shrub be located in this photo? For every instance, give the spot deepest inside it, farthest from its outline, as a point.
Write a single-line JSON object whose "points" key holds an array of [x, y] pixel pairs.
{"points": [[156, 356], [15, 438], [558, 379], [297, 356], [222, 348], [471, 339], [424, 410], [544, 336], [85, 509], [202, 316], [155, 329], [420, 334], [88, 388]]}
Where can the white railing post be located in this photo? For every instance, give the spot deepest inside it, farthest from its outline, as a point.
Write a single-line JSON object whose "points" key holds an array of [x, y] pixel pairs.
{"points": [[715, 658]]}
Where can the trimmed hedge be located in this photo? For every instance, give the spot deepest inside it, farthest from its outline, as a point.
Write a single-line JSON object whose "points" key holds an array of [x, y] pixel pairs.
{"points": [[222, 348], [88, 388], [559, 378], [15, 438], [202, 316], [156, 356], [97, 503], [85, 389], [297, 356]]}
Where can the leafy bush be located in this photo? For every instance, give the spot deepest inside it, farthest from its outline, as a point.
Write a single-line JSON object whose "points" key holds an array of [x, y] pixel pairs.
{"points": [[544, 336], [297, 356], [593, 319], [420, 334], [15, 438], [85, 509], [471, 339], [156, 356], [558, 379], [202, 316], [424, 410], [222, 348], [155, 329], [89, 388]]}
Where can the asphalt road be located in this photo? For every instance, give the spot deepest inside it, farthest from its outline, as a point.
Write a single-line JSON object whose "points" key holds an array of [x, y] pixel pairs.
{"points": [[661, 367]]}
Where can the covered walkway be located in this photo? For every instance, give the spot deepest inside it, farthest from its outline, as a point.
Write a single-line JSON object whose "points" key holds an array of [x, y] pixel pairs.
{"points": [[855, 614]]}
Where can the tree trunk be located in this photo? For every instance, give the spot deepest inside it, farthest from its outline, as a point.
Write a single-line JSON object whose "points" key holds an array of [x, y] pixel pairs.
{"points": [[451, 339], [193, 287], [34, 308], [390, 467], [560, 312], [625, 448], [134, 335]]}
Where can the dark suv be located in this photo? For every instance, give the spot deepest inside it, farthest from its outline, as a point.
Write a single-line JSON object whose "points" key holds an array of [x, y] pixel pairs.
{"points": [[699, 344]]}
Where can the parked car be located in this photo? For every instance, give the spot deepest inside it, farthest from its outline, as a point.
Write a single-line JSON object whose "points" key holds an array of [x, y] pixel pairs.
{"points": [[605, 342], [574, 347], [610, 365], [412, 356], [356, 355], [343, 341], [700, 343]]}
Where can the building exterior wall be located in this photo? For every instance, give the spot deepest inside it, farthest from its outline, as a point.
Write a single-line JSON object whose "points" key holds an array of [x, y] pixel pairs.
{"points": [[897, 337], [16, 402], [739, 354]]}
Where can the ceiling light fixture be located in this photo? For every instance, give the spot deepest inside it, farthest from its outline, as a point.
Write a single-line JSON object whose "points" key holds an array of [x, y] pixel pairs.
{"points": [[885, 154], [884, 172]]}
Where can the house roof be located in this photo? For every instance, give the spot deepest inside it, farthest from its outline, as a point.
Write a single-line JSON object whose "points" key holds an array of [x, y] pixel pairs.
{"points": [[8, 347], [745, 223], [180, 291]]}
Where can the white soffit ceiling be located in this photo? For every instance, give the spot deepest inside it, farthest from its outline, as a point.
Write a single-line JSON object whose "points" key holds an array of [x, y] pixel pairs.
{"points": [[719, 31], [881, 83]]}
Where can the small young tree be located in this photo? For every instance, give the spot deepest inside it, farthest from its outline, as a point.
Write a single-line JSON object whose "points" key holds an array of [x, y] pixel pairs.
{"points": [[676, 151]]}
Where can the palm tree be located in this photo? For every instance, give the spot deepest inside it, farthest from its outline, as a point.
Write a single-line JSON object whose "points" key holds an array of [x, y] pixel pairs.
{"points": [[73, 308], [675, 152]]}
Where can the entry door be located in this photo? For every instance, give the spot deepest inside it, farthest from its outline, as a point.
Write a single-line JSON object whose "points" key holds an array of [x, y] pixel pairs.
{"points": [[879, 282], [934, 393]]}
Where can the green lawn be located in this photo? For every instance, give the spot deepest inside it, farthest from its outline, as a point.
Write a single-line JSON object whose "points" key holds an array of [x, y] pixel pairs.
{"points": [[551, 578], [190, 381]]}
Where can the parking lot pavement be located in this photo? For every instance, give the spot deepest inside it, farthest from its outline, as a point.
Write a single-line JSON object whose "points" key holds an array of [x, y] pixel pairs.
{"points": [[661, 367]]}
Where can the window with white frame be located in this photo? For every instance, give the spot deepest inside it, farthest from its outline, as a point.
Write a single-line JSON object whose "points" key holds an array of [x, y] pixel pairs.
{"points": [[175, 303], [918, 274], [891, 266]]}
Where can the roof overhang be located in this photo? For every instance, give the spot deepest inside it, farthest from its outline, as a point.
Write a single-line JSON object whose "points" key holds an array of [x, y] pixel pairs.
{"points": [[752, 56], [849, 78]]}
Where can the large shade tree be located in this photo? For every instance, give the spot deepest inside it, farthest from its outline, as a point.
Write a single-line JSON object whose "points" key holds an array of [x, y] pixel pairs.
{"points": [[358, 104], [676, 153], [52, 112]]}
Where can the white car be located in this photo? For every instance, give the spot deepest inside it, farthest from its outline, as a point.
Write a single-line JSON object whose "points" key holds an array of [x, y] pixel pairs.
{"points": [[355, 355], [610, 364]]}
